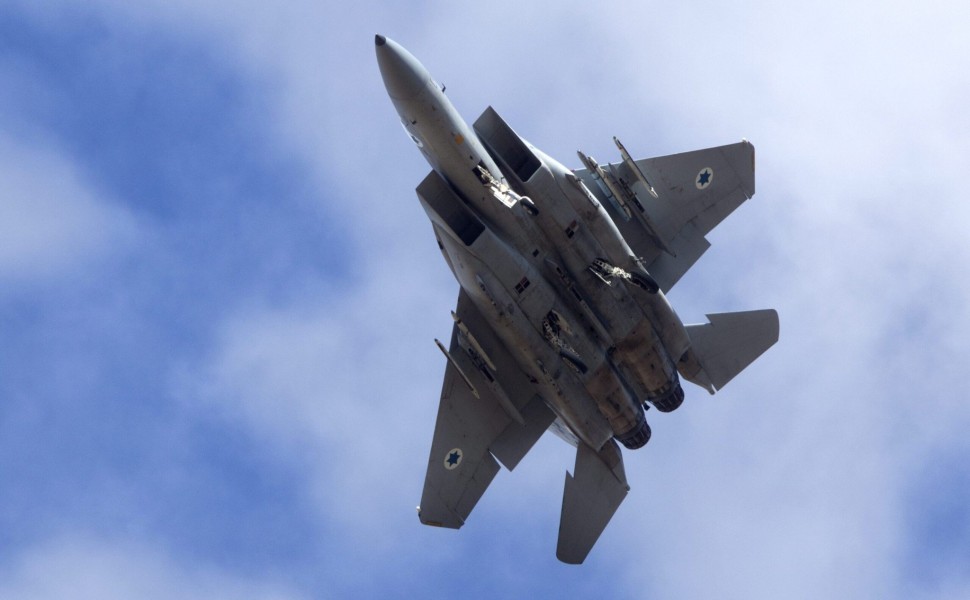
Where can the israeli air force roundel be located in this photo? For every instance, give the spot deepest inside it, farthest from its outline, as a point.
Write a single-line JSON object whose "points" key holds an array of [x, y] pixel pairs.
{"points": [[704, 178], [453, 459]]}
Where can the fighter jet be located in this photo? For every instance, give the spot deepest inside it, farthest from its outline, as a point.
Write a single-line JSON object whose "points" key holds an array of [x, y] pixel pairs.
{"points": [[562, 322]]}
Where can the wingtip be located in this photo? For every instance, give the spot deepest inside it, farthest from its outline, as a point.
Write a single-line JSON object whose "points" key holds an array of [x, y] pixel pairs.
{"points": [[569, 559]]}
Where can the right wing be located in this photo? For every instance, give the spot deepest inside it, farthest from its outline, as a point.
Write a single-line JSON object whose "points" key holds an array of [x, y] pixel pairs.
{"points": [[485, 414], [696, 190]]}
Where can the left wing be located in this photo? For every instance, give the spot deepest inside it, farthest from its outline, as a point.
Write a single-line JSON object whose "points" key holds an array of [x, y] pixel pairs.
{"points": [[488, 413]]}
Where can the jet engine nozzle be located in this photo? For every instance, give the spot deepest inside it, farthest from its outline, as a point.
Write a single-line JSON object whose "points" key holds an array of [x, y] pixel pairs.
{"points": [[638, 436]]}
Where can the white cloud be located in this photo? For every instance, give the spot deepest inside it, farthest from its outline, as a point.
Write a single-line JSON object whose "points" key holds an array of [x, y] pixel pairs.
{"points": [[789, 483], [51, 219], [87, 568], [349, 376]]}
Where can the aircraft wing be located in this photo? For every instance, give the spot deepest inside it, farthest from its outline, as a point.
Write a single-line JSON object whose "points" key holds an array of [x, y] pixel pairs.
{"points": [[696, 191], [488, 413]]}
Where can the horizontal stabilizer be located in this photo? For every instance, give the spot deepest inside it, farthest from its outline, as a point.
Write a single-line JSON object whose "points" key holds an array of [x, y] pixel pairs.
{"points": [[592, 495], [731, 341]]}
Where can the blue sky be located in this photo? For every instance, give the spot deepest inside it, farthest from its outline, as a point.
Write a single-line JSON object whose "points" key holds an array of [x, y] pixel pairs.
{"points": [[218, 294]]}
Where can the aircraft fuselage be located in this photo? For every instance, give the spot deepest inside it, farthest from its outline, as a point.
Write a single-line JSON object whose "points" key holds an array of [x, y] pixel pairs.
{"points": [[547, 263]]}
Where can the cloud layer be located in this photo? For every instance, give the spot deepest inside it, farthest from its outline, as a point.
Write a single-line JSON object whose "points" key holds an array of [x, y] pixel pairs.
{"points": [[226, 377]]}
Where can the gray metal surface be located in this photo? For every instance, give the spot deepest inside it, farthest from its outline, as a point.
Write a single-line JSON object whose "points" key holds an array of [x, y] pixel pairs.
{"points": [[562, 322], [592, 494]]}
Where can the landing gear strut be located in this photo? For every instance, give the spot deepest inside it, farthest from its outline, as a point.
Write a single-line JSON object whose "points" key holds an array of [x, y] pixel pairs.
{"points": [[608, 272], [552, 330]]}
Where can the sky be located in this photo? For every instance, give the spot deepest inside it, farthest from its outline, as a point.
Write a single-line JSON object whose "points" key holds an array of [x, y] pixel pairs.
{"points": [[218, 295]]}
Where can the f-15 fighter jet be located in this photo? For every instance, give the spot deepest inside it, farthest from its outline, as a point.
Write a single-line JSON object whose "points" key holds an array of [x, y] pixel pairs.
{"points": [[562, 322]]}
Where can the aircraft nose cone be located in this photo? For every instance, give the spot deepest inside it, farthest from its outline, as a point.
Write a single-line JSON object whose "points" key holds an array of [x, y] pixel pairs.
{"points": [[404, 76]]}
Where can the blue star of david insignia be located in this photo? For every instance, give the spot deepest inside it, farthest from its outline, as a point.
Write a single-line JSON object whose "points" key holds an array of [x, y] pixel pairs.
{"points": [[704, 177], [453, 458]]}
